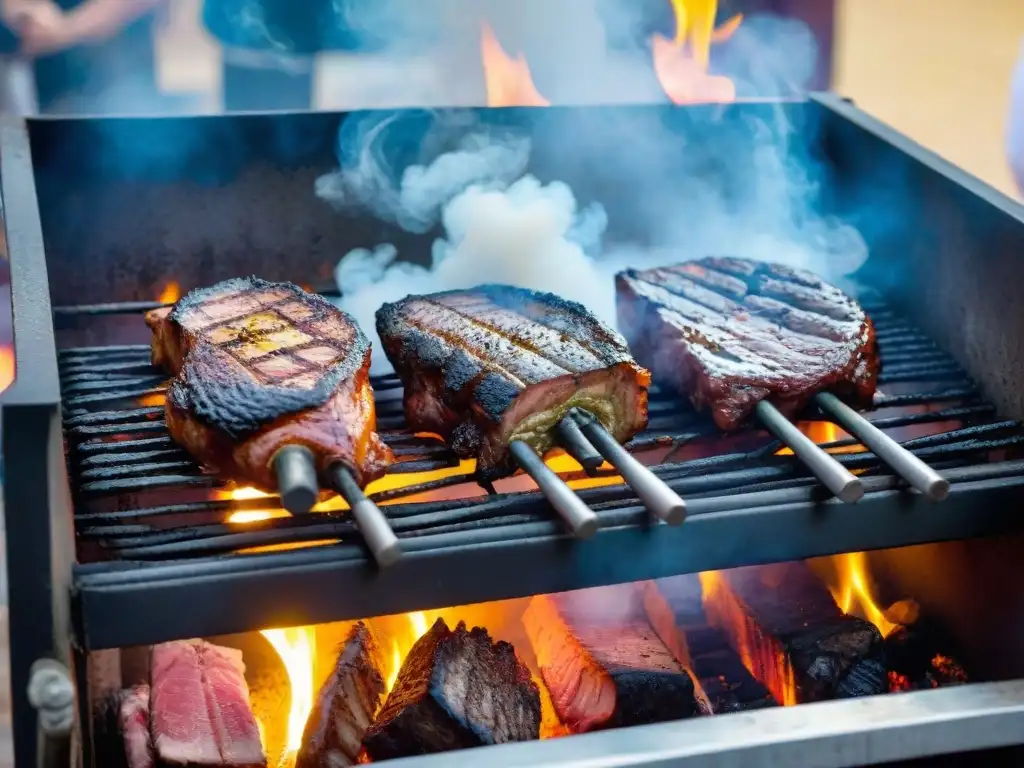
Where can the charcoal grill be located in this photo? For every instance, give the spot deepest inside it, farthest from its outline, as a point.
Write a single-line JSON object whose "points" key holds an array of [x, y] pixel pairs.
{"points": [[114, 544]]}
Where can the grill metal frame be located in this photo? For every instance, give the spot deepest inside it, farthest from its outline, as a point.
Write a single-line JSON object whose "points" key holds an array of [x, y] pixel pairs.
{"points": [[125, 604]]}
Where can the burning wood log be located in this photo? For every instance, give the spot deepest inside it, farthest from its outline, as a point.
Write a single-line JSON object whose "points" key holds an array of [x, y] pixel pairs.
{"points": [[603, 662], [919, 655], [791, 634], [456, 689], [674, 607], [199, 713], [346, 705]]}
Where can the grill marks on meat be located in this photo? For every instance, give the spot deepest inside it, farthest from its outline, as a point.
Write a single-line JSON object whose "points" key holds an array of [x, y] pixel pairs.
{"points": [[456, 689], [486, 366], [732, 332], [259, 366], [346, 705], [199, 707], [603, 662]]}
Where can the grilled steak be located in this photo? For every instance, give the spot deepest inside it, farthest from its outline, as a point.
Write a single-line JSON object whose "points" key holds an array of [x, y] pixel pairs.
{"points": [[346, 705], [731, 332], [259, 366], [493, 364], [199, 707], [456, 689]]}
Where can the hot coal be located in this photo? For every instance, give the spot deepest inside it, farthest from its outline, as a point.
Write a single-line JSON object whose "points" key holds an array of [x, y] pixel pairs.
{"points": [[199, 707], [456, 689], [346, 705], [791, 634], [674, 607], [133, 719], [921, 656], [603, 662]]}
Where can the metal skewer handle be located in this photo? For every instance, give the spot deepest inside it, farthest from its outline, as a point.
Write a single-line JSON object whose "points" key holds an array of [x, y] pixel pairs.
{"points": [[371, 522], [576, 445], [660, 500], [578, 516], [903, 462], [297, 485], [833, 475]]}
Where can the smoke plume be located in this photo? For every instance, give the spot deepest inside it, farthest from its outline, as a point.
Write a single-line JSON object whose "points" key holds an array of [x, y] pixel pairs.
{"points": [[680, 183]]}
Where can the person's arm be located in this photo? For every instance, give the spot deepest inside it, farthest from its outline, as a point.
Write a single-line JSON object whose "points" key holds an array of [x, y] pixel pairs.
{"points": [[96, 20]]}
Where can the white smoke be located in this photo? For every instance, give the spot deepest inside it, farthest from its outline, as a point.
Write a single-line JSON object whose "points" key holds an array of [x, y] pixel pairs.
{"points": [[502, 225]]}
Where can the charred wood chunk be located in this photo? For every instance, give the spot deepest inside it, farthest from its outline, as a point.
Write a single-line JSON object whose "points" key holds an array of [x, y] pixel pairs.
{"points": [[346, 705], [456, 689], [602, 661], [674, 607], [199, 707], [791, 634], [133, 720]]}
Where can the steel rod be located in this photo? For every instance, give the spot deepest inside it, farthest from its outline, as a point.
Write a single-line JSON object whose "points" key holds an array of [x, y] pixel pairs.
{"points": [[577, 515], [831, 473], [905, 464], [575, 443], [297, 484], [369, 519], [660, 500]]}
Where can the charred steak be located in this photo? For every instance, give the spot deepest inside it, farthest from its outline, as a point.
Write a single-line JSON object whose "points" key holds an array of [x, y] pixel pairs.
{"points": [[732, 332], [493, 364], [259, 366]]}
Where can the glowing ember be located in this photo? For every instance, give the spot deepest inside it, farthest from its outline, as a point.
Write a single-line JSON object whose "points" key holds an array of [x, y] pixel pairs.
{"points": [[170, 294], [853, 591], [822, 433], [682, 63], [296, 647], [507, 79]]}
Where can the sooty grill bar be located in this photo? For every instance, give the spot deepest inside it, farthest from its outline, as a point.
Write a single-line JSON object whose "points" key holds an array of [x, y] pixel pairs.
{"points": [[138, 556]]}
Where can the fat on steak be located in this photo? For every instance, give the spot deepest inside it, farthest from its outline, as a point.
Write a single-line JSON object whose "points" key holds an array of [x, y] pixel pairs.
{"points": [[259, 366], [493, 364], [731, 332], [199, 707], [133, 720]]}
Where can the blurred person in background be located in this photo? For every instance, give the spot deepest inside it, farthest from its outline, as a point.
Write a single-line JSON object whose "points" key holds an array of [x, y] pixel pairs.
{"points": [[88, 56], [270, 46]]}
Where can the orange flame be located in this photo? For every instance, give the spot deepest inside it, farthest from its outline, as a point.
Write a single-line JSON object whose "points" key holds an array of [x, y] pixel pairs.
{"points": [[7, 366], [170, 293], [823, 432], [296, 648], [507, 79], [853, 591], [682, 64], [402, 642]]}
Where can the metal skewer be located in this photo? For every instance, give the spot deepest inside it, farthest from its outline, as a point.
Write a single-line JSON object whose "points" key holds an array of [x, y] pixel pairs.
{"points": [[371, 522], [297, 485], [662, 501], [903, 462], [830, 472], [571, 438], [578, 516]]}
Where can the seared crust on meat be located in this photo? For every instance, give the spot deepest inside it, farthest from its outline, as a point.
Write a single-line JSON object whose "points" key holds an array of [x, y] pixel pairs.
{"points": [[731, 332], [262, 365], [492, 364]]}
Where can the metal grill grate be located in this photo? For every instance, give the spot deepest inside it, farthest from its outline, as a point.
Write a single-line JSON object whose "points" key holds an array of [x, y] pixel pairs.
{"points": [[120, 456]]}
